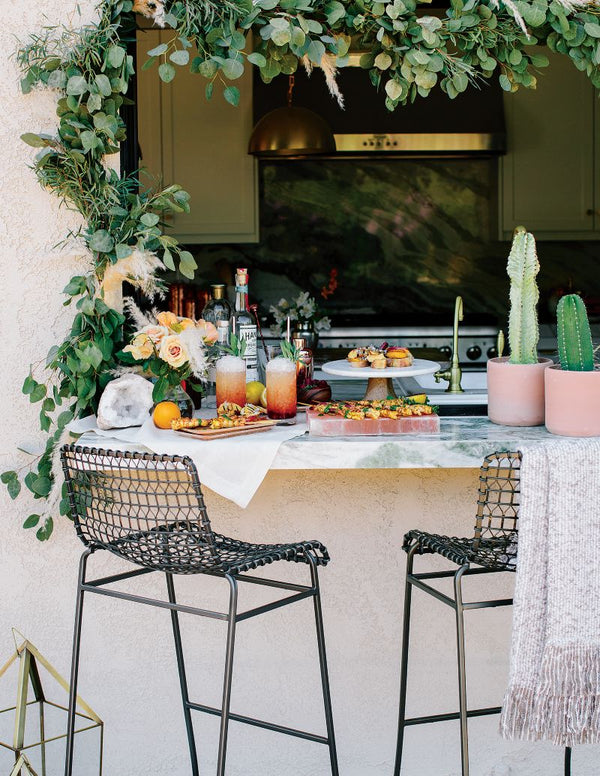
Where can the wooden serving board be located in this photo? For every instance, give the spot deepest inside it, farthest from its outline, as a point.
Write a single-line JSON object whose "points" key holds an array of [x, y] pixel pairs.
{"points": [[218, 433]]}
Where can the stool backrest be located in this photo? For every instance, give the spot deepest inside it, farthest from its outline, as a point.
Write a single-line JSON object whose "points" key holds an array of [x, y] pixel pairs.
{"points": [[498, 502], [129, 503]]}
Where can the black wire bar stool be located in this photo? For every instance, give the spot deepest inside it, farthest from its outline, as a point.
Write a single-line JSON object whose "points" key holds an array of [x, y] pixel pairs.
{"points": [[491, 549], [149, 509]]}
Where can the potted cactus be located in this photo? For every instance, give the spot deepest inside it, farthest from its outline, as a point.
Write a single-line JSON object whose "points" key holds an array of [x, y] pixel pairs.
{"points": [[516, 383], [573, 386]]}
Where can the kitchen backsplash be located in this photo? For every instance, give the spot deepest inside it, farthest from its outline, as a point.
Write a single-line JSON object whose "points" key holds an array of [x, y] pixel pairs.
{"points": [[404, 236]]}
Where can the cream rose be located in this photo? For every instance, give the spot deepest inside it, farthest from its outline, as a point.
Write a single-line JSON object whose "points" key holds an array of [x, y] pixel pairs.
{"points": [[186, 323], [167, 319], [173, 352], [156, 333], [208, 331], [141, 347]]}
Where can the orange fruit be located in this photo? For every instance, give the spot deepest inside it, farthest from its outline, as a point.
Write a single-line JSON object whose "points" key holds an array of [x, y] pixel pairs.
{"points": [[164, 413]]}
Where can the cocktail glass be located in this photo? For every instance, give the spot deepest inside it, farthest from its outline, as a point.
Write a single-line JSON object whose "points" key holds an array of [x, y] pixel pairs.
{"points": [[281, 389], [231, 380]]}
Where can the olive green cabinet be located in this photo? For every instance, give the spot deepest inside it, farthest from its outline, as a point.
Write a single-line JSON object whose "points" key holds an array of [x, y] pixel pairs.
{"points": [[201, 145], [550, 177]]}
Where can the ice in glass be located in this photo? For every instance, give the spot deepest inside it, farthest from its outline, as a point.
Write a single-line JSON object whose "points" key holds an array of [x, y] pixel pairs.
{"points": [[281, 389], [231, 380]]}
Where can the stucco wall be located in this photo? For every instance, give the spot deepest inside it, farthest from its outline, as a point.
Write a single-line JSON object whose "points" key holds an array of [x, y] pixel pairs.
{"points": [[128, 670]]}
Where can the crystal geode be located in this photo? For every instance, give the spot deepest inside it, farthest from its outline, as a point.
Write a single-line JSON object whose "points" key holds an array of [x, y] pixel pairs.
{"points": [[126, 401]]}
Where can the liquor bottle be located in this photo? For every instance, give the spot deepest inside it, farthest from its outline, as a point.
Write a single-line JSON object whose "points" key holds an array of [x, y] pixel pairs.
{"points": [[217, 308], [223, 333], [244, 325]]}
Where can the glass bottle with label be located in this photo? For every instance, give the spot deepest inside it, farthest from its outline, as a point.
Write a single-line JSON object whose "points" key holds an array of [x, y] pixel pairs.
{"points": [[244, 325], [217, 308]]}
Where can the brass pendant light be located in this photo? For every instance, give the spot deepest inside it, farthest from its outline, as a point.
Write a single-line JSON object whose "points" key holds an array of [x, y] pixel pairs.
{"points": [[291, 131]]}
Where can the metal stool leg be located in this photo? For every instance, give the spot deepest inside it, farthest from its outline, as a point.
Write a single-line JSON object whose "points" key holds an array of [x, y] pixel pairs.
{"points": [[231, 624], [187, 713], [75, 664], [323, 666], [568, 754], [462, 675], [404, 660]]}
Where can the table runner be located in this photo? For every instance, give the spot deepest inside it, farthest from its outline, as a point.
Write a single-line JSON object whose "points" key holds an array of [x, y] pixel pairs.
{"points": [[554, 685], [233, 467]]}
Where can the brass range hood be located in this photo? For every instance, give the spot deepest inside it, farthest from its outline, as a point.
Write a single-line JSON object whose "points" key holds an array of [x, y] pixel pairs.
{"points": [[291, 131], [471, 125]]}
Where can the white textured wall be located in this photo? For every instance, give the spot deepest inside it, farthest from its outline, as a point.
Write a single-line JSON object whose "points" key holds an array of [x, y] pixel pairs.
{"points": [[128, 672]]}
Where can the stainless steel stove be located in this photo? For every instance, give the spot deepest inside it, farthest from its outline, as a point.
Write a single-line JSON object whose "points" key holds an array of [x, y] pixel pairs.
{"points": [[476, 344]]}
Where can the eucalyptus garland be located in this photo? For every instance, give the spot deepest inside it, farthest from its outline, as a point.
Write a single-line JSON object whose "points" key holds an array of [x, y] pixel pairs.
{"points": [[407, 51]]}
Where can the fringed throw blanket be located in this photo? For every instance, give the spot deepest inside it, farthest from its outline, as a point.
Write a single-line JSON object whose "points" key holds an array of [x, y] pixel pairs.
{"points": [[554, 686]]}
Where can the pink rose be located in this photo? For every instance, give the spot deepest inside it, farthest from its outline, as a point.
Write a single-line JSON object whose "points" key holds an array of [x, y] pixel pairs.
{"points": [[208, 330]]}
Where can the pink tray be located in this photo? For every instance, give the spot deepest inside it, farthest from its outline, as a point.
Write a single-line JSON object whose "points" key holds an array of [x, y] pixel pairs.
{"points": [[332, 425]]}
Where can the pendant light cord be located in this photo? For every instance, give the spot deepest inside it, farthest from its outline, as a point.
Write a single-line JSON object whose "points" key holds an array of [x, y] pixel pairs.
{"points": [[291, 83]]}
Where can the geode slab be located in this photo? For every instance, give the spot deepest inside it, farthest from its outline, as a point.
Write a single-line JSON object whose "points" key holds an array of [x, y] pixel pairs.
{"points": [[126, 401]]}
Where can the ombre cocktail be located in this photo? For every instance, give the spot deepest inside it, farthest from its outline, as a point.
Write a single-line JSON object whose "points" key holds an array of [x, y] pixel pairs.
{"points": [[281, 389]]}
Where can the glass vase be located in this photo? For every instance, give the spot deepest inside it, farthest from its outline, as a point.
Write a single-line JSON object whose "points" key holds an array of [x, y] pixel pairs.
{"points": [[182, 399]]}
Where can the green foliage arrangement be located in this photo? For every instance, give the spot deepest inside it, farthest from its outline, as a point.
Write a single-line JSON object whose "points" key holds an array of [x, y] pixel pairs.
{"points": [[575, 346], [407, 52], [523, 329]]}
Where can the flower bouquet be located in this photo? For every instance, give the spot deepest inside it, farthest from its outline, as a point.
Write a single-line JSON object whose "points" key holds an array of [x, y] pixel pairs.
{"points": [[172, 350], [302, 309]]}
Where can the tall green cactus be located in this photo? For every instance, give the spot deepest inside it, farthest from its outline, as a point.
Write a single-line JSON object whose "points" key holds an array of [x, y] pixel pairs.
{"points": [[575, 346], [522, 268]]}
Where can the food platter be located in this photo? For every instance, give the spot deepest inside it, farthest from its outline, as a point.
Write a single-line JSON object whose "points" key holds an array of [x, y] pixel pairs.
{"points": [[380, 380], [207, 434]]}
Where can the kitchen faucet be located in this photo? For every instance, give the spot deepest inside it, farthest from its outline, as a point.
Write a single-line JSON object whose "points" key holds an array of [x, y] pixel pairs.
{"points": [[454, 374]]}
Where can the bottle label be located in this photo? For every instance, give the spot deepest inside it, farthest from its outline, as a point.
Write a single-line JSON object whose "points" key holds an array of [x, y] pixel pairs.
{"points": [[249, 333]]}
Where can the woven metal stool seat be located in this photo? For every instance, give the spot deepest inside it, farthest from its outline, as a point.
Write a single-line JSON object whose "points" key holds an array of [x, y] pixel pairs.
{"points": [[499, 553], [183, 550], [149, 510]]}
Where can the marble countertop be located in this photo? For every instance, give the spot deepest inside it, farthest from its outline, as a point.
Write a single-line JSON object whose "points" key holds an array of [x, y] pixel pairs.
{"points": [[462, 442]]}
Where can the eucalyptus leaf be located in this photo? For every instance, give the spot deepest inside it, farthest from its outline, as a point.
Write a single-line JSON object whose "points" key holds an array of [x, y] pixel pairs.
{"points": [[101, 241], [77, 85], [180, 57], [232, 95], [233, 69], [166, 71]]}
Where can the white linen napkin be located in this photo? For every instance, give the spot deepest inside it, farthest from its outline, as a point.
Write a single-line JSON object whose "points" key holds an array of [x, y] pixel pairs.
{"points": [[233, 468]]}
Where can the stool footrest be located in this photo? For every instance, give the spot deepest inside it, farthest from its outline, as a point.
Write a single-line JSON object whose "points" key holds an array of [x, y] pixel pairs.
{"points": [[451, 716], [260, 723]]}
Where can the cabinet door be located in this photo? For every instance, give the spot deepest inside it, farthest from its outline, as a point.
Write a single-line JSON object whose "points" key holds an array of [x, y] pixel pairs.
{"points": [[201, 145], [547, 177]]}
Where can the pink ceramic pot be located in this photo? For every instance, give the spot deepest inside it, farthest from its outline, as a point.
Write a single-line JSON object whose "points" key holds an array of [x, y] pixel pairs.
{"points": [[572, 402], [516, 392]]}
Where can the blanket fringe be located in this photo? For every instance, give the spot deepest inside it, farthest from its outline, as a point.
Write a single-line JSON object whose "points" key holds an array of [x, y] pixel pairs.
{"points": [[565, 707]]}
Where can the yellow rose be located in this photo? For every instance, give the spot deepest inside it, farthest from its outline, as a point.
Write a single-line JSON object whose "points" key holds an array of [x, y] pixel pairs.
{"points": [[167, 319], [186, 323], [141, 347], [173, 352], [156, 333], [209, 331]]}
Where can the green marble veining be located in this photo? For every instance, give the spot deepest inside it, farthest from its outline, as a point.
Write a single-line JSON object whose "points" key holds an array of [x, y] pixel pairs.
{"points": [[413, 233]]}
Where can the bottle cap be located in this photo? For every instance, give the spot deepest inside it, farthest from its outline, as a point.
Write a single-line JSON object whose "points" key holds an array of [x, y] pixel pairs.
{"points": [[218, 290], [300, 343]]}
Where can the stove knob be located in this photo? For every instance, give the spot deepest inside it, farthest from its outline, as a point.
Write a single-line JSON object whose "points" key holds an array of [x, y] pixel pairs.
{"points": [[492, 352], [446, 351], [474, 352]]}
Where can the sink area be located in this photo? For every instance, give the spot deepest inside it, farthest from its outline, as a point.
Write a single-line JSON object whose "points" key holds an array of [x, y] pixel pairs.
{"points": [[473, 383], [470, 381]]}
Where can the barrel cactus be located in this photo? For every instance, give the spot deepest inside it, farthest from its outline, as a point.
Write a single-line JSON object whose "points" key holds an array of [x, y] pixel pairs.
{"points": [[575, 347], [522, 268]]}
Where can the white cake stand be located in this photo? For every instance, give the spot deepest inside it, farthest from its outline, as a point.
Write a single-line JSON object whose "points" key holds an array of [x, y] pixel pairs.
{"points": [[380, 380]]}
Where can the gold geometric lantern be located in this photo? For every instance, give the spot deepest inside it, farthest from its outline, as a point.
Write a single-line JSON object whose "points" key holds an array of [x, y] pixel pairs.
{"points": [[29, 660]]}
